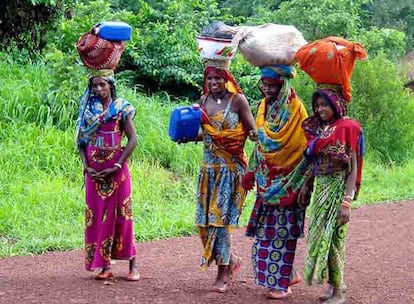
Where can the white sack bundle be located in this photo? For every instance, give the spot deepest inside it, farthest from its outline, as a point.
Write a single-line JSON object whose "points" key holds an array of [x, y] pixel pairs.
{"points": [[269, 44]]}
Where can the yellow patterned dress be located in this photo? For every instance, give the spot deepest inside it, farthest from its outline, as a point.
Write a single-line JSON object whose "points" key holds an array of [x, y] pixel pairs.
{"points": [[220, 195]]}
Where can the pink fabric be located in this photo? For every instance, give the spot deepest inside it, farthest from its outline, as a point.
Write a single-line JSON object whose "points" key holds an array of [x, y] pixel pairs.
{"points": [[109, 230]]}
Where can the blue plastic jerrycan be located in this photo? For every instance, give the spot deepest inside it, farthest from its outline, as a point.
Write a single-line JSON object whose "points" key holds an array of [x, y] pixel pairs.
{"points": [[185, 122], [113, 30]]}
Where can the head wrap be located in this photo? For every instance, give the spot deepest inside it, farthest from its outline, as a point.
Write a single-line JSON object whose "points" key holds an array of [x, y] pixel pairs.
{"points": [[232, 85], [278, 71], [88, 98], [334, 97], [280, 74]]}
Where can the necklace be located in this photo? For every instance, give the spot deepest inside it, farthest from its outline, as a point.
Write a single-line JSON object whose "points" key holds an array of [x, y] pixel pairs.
{"points": [[218, 99]]}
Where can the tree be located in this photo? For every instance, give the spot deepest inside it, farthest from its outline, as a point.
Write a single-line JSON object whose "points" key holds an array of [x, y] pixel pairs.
{"points": [[25, 22], [317, 19], [396, 14]]}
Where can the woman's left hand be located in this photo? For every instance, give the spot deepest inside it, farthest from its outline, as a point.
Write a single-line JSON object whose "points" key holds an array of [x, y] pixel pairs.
{"points": [[344, 214], [107, 172]]}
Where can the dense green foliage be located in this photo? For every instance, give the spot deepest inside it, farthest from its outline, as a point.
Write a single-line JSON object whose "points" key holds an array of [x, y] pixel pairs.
{"points": [[41, 199]]}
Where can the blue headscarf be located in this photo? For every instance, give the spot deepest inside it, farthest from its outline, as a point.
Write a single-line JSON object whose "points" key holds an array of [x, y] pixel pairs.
{"points": [[278, 71], [91, 113]]}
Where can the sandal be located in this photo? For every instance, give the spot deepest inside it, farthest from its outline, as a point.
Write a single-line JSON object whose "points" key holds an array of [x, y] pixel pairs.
{"points": [[104, 275], [278, 294], [133, 274]]}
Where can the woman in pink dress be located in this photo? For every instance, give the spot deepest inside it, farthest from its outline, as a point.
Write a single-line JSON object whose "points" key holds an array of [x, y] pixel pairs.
{"points": [[103, 121]]}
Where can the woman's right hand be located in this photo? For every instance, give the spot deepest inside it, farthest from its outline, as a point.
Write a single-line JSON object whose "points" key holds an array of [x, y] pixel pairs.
{"points": [[305, 193]]}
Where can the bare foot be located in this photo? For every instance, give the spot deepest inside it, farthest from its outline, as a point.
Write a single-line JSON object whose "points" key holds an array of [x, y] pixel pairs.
{"points": [[278, 294], [295, 278], [219, 286], [338, 297], [234, 267], [329, 292], [133, 274], [222, 279]]}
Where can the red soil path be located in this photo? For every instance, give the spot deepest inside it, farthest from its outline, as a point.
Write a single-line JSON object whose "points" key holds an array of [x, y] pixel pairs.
{"points": [[379, 269]]}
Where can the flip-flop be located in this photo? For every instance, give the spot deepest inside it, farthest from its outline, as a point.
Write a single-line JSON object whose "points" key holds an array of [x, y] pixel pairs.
{"points": [[278, 294], [104, 275]]}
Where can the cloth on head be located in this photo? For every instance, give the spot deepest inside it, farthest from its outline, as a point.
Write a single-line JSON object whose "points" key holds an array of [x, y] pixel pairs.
{"points": [[232, 85], [103, 73], [91, 114], [277, 71]]}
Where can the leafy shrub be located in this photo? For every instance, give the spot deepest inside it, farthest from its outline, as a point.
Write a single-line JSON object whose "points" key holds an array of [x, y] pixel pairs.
{"points": [[388, 41], [384, 108]]}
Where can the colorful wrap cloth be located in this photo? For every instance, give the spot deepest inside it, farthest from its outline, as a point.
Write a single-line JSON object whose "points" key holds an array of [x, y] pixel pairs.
{"points": [[325, 259], [220, 193], [281, 142], [91, 114], [331, 60], [276, 221], [330, 148]]}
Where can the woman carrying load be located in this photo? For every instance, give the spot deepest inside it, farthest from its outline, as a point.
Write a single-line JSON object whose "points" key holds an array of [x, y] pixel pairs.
{"points": [[226, 123], [276, 164], [335, 148], [103, 121]]}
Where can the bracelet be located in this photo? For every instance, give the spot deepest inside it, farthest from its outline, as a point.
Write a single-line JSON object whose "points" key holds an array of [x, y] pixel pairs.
{"points": [[346, 204], [348, 198], [118, 165]]}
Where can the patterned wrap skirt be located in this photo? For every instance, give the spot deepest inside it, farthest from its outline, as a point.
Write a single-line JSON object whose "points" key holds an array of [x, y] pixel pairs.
{"points": [[276, 231], [326, 238]]}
